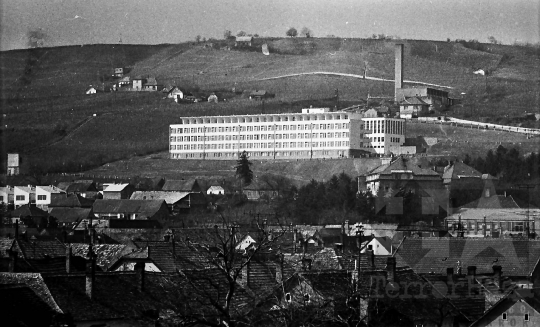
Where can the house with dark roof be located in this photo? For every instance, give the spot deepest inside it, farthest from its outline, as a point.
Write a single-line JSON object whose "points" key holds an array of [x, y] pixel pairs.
{"points": [[73, 200], [28, 215], [521, 307], [151, 84], [130, 209], [70, 217], [260, 95], [176, 201], [413, 107], [117, 191], [518, 258], [243, 41], [182, 185], [86, 189]]}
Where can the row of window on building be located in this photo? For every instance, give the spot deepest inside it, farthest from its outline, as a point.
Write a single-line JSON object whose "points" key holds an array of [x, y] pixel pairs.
{"points": [[255, 137], [259, 145], [256, 128], [262, 119], [269, 154], [384, 126]]}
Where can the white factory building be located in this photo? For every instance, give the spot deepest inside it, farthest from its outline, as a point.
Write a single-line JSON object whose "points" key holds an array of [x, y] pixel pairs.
{"points": [[314, 133]]}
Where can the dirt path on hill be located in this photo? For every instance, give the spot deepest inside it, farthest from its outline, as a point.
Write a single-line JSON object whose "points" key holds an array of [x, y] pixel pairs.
{"points": [[353, 76]]}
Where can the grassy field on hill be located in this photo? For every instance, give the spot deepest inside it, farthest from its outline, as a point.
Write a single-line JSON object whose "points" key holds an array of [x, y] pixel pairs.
{"points": [[48, 119]]}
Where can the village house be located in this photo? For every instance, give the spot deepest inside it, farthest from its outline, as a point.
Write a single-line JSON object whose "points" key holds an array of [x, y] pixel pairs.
{"points": [[44, 195], [119, 72], [260, 95], [24, 195], [213, 98], [130, 209], [70, 217], [91, 90], [215, 190], [260, 191], [413, 107], [86, 189], [28, 215], [435, 98], [175, 93], [124, 81], [117, 191], [176, 201], [7, 195], [73, 200], [150, 84], [243, 41], [138, 83]]}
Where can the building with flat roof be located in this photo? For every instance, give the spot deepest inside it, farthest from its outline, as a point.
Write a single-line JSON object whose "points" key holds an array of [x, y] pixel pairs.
{"points": [[314, 133]]}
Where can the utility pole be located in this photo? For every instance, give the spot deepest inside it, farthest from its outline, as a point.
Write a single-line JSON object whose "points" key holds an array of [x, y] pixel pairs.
{"points": [[527, 187]]}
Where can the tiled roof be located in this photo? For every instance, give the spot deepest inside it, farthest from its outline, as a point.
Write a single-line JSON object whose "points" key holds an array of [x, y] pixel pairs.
{"points": [[17, 300], [190, 185], [106, 254], [77, 187], [115, 295], [151, 81], [170, 197], [184, 258], [349, 262], [458, 170], [50, 189], [494, 214], [28, 210], [71, 200], [70, 215], [413, 101], [26, 189], [115, 187], [401, 164], [244, 38], [146, 208], [5, 244], [330, 284], [426, 255], [39, 249], [33, 281], [493, 202], [324, 259]]}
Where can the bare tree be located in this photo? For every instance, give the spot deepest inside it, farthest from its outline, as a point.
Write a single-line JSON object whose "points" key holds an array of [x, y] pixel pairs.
{"points": [[218, 294]]}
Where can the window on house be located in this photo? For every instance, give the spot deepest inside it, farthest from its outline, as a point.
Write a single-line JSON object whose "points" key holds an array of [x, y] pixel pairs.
{"points": [[306, 298], [526, 317], [42, 197], [19, 198], [504, 316]]}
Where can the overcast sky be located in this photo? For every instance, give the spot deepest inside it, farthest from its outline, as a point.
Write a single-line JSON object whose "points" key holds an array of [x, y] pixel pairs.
{"points": [[68, 22]]}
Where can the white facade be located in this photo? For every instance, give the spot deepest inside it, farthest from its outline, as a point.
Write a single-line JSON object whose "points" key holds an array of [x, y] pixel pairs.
{"points": [[320, 134], [43, 195], [383, 133], [24, 195], [6, 195]]}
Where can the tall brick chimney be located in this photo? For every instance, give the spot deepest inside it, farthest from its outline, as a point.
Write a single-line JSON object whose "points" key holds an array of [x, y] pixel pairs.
{"points": [[398, 79], [69, 254], [90, 273]]}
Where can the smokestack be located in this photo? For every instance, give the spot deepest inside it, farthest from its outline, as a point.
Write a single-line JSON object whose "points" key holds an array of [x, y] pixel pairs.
{"points": [[139, 275], [398, 69]]}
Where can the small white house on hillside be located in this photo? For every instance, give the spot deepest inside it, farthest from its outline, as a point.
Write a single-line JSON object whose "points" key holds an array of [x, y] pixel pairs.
{"points": [[91, 90], [380, 246], [217, 190]]}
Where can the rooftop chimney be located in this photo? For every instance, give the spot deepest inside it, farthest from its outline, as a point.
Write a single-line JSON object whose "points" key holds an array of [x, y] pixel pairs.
{"points": [[90, 273], [69, 253], [13, 257], [139, 275], [391, 269], [497, 276], [449, 275], [398, 69]]}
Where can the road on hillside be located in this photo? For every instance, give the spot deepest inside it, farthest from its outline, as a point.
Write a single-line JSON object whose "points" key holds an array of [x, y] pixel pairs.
{"points": [[353, 76]]}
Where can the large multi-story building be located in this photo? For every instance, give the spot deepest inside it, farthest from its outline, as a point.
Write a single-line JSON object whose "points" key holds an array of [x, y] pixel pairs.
{"points": [[314, 133], [384, 133]]}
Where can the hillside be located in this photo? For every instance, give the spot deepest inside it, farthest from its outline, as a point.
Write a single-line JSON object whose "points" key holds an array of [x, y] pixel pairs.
{"points": [[51, 122]]}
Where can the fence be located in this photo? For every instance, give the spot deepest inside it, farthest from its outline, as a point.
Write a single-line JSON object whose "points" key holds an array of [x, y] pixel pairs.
{"points": [[473, 124]]}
